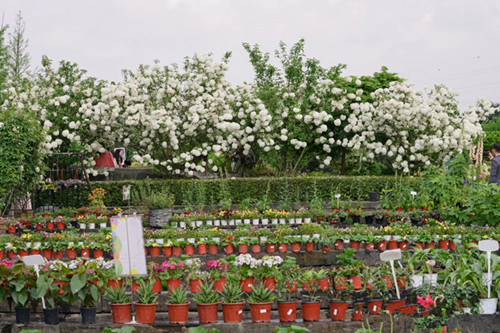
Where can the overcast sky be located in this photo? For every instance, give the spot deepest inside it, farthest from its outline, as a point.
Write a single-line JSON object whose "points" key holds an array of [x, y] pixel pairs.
{"points": [[454, 42]]}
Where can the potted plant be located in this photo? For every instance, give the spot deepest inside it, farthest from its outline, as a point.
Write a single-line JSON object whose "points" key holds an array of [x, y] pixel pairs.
{"points": [[160, 205], [21, 285], [232, 303], [218, 273], [311, 306], [287, 308], [207, 301], [260, 300], [145, 307], [338, 301], [83, 288], [246, 267], [178, 306], [120, 304], [268, 270], [171, 271], [194, 276], [49, 290]]}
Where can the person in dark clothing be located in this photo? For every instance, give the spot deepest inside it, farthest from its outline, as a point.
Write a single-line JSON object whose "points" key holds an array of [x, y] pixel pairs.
{"points": [[494, 156]]}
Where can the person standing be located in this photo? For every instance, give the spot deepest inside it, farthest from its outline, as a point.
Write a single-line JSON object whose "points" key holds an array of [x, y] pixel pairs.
{"points": [[494, 156], [118, 158]]}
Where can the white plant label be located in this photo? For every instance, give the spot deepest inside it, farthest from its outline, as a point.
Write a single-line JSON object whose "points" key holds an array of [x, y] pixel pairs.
{"points": [[263, 310], [374, 308], [289, 312], [335, 312], [240, 312]]}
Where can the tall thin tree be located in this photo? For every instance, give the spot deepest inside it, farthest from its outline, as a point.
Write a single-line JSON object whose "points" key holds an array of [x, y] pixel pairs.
{"points": [[19, 59]]}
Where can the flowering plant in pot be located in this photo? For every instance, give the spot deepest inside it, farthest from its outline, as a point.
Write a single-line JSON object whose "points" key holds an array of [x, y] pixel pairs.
{"points": [[171, 271], [246, 268], [260, 300], [232, 302], [83, 288], [218, 272], [338, 301], [310, 306], [145, 307], [194, 275], [120, 304], [178, 305], [268, 270], [207, 301], [286, 288]]}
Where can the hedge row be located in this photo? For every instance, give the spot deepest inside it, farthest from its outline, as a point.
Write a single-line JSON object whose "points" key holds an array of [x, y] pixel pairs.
{"points": [[214, 191]]}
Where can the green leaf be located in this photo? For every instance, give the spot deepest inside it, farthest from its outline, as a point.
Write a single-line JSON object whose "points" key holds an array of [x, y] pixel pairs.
{"points": [[78, 282]]}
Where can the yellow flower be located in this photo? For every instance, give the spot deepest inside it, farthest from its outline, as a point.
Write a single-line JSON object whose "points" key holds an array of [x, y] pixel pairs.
{"points": [[485, 236]]}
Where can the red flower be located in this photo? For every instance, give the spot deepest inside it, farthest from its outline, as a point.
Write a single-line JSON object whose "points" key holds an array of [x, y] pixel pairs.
{"points": [[426, 301]]}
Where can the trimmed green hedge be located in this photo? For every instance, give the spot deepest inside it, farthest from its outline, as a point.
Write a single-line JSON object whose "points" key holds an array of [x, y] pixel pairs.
{"points": [[287, 189]]}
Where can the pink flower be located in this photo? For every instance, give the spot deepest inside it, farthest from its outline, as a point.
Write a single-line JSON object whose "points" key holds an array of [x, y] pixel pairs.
{"points": [[426, 301]]}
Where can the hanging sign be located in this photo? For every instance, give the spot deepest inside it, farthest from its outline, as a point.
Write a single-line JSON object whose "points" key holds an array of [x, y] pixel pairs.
{"points": [[128, 245]]}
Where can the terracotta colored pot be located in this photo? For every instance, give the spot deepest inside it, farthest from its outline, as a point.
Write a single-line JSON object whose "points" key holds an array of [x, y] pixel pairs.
{"points": [[57, 254], [2, 254], [207, 313], [71, 253], [232, 312], [369, 246], [176, 251], [243, 248], [121, 313], [50, 225], [11, 254], [154, 251], [219, 284], [309, 246], [375, 306], [33, 252], [403, 245], [173, 284], [256, 248], [201, 249], [292, 286], [429, 245], [85, 253], [444, 244], [401, 282], [310, 311], [189, 250], [395, 305], [355, 245], [112, 284], [382, 246], [167, 251], [261, 312], [61, 226], [212, 249], [408, 309], [23, 253], [178, 313], [338, 245], [11, 230], [388, 280], [282, 248], [357, 314], [287, 311], [326, 249], [228, 249], [195, 285], [270, 283], [452, 245], [270, 248], [100, 253], [324, 284], [356, 282], [47, 253], [39, 226], [307, 285], [419, 245], [295, 247], [337, 310], [246, 284], [145, 313], [157, 286], [392, 245], [340, 283]]}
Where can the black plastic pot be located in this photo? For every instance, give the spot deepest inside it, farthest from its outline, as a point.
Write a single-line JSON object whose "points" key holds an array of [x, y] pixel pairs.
{"points": [[373, 196], [88, 315], [51, 316], [22, 315], [369, 219]]}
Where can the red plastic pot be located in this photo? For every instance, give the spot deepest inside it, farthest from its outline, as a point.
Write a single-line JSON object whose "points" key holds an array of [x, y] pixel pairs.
{"points": [[176, 251], [60, 226], [337, 310], [243, 248], [429, 245], [33, 252], [369, 246], [356, 282], [357, 314], [287, 311], [295, 247], [178, 313], [100, 253], [270, 248], [256, 248], [324, 284], [173, 284], [154, 251], [212, 249], [388, 280], [340, 283], [167, 251], [282, 248], [326, 249], [2, 253], [403, 245], [444, 244], [375, 306], [22, 253], [228, 249], [395, 305], [355, 245], [112, 284], [145, 313], [419, 245], [246, 285], [232, 312], [189, 250], [50, 225], [219, 284], [261, 312], [85, 253], [207, 313], [71, 253], [338, 245], [310, 311], [56, 254], [195, 285], [452, 245], [382, 246], [201, 249], [11, 254], [309, 246], [392, 245], [292, 286], [270, 283], [408, 309], [11, 230], [121, 312], [47, 254], [401, 282]]}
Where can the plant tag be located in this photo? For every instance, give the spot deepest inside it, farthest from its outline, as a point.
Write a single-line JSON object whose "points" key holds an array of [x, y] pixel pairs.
{"points": [[263, 238], [71, 243], [390, 255], [210, 222], [191, 240], [263, 310], [159, 241], [335, 312], [240, 312], [216, 239], [374, 308], [316, 236], [488, 245], [250, 285], [291, 311], [80, 243], [180, 239], [271, 247]]}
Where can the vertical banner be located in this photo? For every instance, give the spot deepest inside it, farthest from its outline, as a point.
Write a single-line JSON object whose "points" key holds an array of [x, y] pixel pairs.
{"points": [[126, 192], [128, 246]]}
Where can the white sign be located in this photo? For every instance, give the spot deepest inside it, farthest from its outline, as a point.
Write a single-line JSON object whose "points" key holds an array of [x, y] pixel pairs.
{"points": [[390, 256], [128, 246], [488, 246]]}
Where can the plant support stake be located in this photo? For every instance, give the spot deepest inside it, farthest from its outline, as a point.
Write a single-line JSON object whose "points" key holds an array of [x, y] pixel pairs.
{"points": [[390, 256], [488, 246]]}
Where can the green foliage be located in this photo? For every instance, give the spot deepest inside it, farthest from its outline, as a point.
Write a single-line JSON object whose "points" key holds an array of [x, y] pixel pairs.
{"points": [[117, 295], [207, 294], [145, 294], [201, 329], [4, 57], [124, 329], [177, 296], [261, 294], [30, 331], [232, 292], [19, 59], [291, 329], [159, 201]]}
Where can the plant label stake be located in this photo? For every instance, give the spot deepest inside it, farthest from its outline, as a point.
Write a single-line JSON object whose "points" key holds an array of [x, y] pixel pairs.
{"points": [[35, 261], [390, 256], [488, 246]]}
